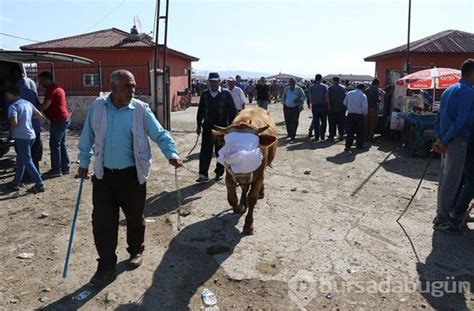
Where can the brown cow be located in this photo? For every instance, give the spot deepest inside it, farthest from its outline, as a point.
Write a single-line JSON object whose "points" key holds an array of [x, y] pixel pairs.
{"points": [[259, 122]]}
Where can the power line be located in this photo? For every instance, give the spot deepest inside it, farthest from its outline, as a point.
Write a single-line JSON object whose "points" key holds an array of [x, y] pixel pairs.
{"points": [[16, 37], [108, 14]]}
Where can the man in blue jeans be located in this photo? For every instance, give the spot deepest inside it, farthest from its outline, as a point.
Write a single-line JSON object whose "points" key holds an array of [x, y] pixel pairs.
{"points": [[55, 109], [20, 114]]}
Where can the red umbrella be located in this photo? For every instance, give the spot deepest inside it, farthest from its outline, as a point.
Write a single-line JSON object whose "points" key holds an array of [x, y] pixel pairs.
{"points": [[434, 78]]}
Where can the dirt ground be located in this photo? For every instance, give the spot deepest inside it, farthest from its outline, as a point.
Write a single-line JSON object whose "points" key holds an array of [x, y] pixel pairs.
{"points": [[325, 237]]}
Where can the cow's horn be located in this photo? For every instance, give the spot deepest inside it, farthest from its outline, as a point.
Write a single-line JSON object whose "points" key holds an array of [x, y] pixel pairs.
{"points": [[262, 129], [220, 128]]}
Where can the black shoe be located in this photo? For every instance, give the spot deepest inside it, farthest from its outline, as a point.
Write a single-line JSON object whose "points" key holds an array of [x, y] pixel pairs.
{"points": [[347, 150], [331, 138], [66, 172], [218, 178], [102, 277], [310, 135], [202, 179], [36, 189], [51, 174], [135, 261], [13, 187], [341, 138]]}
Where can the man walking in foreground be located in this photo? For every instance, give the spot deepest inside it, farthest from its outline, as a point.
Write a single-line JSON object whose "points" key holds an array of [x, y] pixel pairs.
{"points": [[337, 112], [356, 103], [216, 107], [293, 100], [116, 130], [453, 131]]}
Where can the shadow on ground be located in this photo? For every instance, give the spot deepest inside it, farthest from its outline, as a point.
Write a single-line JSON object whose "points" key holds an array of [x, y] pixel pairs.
{"points": [[448, 272], [166, 202], [69, 303], [186, 265]]}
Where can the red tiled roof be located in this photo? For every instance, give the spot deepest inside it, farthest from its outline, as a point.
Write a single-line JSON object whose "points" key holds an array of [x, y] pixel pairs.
{"points": [[102, 39], [448, 41]]}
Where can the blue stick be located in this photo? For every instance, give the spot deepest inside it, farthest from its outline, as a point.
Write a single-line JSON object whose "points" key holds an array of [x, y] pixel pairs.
{"points": [[73, 228]]}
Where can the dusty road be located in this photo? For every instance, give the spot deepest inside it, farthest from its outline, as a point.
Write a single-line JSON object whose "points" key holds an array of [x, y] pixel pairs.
{"points": [[323, 240]]}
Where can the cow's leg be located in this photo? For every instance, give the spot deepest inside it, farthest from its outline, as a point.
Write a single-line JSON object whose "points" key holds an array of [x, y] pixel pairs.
{"points": [[242, 207], [252, 200], [261, 194], [232, 193]]}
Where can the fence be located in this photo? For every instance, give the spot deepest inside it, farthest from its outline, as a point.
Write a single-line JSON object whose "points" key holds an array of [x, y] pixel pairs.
{"points": [[89, 80]]}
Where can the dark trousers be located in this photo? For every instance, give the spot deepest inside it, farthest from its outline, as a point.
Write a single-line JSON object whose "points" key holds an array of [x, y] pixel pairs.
{"points": [[319, 124], [250, 97], [466, 191], [292, 117], [118, 189], [58, 147], [355, 126], [209, 145], [37, 150], [337, 120], [371, 120]]}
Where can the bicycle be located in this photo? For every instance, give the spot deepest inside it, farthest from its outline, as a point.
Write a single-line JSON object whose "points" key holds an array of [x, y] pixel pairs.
{"points": [[184, 99]]}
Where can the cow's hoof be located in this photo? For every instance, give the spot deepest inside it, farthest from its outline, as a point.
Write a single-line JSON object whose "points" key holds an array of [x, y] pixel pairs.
{"points": [[248, 231], [261, 195], [239, 209]]}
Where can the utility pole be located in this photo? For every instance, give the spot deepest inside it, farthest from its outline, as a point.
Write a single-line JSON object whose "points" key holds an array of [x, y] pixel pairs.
{"points": [[165, 109], [408, 38]]}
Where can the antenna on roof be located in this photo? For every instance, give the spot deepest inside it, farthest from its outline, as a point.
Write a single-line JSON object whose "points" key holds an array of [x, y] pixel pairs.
{"points": [[136, 33], [137, 24]]}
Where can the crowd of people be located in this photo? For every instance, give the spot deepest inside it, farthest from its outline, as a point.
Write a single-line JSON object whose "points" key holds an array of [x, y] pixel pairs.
{"points": [[354, 115]]}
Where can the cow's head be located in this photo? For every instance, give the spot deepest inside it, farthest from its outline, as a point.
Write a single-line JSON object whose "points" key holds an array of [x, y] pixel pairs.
{"points": [[265, 140]]}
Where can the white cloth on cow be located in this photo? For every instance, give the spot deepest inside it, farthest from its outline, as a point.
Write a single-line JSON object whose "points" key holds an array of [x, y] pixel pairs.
{"points": [[241, 152]]}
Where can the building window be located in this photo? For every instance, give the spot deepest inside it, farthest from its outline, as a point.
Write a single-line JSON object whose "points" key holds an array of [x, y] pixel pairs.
{"points": [[90, 79]]}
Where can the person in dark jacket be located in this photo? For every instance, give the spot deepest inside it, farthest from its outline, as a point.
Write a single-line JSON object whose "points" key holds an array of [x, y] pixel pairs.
{"points": [[373, 98], [337, 112], [216, 107]]}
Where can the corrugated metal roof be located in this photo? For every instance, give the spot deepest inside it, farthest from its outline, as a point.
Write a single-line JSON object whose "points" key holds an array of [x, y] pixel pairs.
{"points": [[102, 39], [448, 41]]}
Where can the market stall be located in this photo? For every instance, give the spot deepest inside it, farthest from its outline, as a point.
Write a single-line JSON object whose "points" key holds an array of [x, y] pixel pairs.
{"points": [[417, 110]]}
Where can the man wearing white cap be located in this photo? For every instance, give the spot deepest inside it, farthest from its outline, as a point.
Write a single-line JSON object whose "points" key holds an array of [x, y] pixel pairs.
{"points": [[237, 94]]}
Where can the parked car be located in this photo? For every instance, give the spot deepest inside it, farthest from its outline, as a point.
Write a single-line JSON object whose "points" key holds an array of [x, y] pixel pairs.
{"points": [[11, 59]]}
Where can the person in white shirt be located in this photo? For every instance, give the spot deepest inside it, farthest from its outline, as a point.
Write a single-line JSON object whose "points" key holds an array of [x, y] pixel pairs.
{"points": [[237, 94], [357, 105]]}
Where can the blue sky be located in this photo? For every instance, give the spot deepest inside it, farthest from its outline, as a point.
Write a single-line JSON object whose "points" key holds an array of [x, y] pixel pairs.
{"points": [[293, 36]]}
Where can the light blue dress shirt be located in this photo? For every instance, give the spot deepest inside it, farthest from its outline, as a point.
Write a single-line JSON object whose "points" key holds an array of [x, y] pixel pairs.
{"points": [[118, 145], [289, 96]]}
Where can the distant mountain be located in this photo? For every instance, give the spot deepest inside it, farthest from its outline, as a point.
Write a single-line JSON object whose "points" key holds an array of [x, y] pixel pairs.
{"points": [[232, 73]]}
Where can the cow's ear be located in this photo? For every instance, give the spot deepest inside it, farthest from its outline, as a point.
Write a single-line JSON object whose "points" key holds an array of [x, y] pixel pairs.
{"points": [[266, 139]]}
